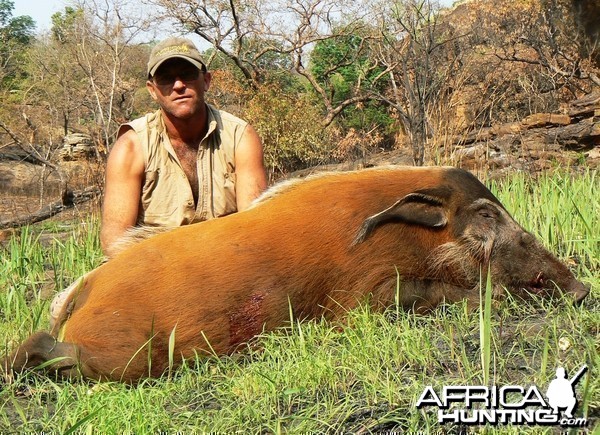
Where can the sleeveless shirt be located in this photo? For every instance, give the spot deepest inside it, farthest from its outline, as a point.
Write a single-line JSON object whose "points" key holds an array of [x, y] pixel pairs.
{"points": [[167, 198]]}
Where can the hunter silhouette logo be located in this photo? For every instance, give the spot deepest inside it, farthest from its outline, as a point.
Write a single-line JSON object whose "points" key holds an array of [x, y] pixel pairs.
{"points": [[561, 391], [508, 404]]}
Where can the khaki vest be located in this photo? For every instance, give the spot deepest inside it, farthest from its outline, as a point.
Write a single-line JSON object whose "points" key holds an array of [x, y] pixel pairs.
{"points": [[167, 198]]}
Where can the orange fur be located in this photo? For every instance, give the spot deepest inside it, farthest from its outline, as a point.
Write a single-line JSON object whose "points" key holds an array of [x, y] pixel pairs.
{"points": [[226, 278]]}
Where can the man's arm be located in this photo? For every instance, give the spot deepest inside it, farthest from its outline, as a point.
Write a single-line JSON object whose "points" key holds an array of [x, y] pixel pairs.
{"points": [[123, 187], [251, 177]]}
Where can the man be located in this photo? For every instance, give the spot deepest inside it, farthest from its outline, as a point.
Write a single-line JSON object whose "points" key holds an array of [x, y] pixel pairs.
{"points": [[185, 163]]}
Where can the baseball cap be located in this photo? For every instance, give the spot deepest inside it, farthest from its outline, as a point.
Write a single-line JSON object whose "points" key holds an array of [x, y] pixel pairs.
{"points": [[174, 47]]}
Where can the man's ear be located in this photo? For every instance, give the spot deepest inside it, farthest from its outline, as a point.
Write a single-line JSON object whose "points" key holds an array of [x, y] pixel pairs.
{"points": [[151, 89], [207, 80]]}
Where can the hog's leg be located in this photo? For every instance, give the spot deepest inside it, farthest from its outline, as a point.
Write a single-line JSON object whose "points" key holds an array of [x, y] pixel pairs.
{"points": [[42, 348]]}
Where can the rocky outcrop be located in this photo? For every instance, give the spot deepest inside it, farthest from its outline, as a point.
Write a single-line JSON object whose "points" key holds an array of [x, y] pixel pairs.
{"points": [[537, 142], [22, 172], [77, 146], [22, 178], [34, 188]]}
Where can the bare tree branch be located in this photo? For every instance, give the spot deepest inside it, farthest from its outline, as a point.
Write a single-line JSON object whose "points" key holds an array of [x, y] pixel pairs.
{"points": [[35, 155]]}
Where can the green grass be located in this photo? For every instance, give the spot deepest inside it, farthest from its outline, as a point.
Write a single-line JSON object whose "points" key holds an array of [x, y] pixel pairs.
{"points": [[363, 376]]}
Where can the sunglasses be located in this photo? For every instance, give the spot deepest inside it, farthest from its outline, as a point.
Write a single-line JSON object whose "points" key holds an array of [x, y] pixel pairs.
{"points": [[169, 78]]}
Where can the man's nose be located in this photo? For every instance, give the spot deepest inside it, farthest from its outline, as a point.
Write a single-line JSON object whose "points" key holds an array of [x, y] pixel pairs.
{"points": [[178, 83]]}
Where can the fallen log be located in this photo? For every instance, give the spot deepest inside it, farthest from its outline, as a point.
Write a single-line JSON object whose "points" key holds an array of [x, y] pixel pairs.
{"points": [[69, 200]]}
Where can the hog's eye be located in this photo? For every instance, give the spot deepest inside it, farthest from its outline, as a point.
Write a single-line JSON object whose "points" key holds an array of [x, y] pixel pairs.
{"points": [[486, 214]]}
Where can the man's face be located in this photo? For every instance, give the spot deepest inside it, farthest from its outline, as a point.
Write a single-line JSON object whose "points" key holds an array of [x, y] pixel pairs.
{"points": [[179, 87]]}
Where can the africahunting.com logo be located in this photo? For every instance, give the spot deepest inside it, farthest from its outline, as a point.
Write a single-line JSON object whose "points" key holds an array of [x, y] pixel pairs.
{"points": [[509, 404]]}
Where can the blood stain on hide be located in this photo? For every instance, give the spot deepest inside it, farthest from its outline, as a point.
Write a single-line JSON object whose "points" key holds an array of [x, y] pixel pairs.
{"points": [[248, 321]]}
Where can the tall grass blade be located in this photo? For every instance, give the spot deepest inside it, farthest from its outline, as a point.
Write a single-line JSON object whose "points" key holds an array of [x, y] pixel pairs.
{"points": [[74, 429], [485, 327], [135, 355], [397, 299], [171, 351]]}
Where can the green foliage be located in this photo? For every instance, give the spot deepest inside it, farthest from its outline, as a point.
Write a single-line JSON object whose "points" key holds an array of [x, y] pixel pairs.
{"points": [[336, 63], [344, 67], [16, 33], [64, 24], [19, 29], [368, 116]]}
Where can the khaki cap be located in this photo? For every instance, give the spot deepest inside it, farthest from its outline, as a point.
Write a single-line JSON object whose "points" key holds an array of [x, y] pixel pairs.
{"points": [[174, 47]]}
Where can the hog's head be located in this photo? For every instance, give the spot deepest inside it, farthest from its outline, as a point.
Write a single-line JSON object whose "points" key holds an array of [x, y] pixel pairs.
{"points": [[482, 236], [487, 235]]}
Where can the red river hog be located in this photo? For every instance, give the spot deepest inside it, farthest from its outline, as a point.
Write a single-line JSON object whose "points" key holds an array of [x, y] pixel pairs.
{"points": [[319, 245]]}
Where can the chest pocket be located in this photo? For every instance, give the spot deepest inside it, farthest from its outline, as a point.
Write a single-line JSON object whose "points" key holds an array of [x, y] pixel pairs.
{"points": [[160, 198]]}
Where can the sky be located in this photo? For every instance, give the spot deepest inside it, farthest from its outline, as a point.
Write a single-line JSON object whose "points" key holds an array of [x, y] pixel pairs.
{"points": [[42, 10]]}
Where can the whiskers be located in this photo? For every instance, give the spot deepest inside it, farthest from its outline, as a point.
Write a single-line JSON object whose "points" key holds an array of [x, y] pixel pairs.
{"points": [[461, 261]]}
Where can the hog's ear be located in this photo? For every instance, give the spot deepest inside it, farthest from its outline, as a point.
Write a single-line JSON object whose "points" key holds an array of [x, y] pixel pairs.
{"points": [[416, 208]]}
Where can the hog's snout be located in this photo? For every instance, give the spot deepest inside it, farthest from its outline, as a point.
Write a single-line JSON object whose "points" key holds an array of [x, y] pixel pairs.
{"points": [[571, 286], [579, 292], [551, 287]]}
